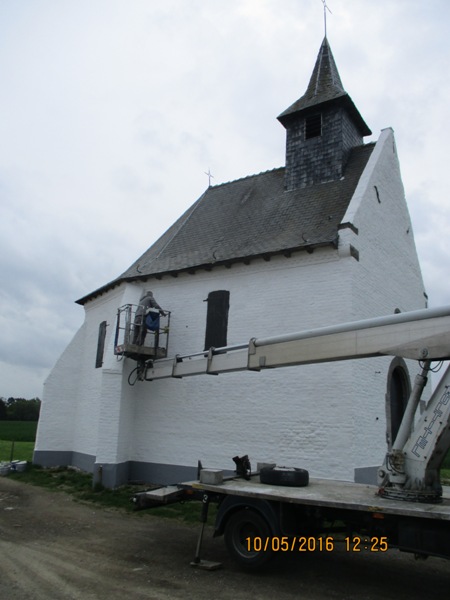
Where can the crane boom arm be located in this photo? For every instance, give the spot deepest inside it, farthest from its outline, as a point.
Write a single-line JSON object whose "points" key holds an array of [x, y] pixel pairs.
{"points": [[411, 468], [420, 335]]}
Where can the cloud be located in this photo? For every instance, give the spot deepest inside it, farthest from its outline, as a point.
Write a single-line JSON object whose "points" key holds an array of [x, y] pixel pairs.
{"points": [[112, 111]]}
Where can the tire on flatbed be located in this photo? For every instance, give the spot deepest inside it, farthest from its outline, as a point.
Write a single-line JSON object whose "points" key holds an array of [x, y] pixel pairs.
{"points": [[246, 532], [288, 476]]}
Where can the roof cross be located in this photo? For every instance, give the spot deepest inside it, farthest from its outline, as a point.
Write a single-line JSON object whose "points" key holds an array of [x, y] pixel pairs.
{"points": [[325, 9], [209, 176]]}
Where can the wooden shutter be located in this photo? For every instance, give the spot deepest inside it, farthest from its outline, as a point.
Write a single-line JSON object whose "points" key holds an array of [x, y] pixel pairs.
{"points": [[217, 319], [100, 344]]}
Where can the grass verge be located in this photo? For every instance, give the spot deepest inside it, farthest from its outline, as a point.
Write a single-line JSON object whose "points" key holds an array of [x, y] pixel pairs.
{"points": [[79, 486], [17, 440], [16, 451]]}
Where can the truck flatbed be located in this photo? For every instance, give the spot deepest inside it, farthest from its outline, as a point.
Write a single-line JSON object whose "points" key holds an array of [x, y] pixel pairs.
{"points": [[329, 493]]}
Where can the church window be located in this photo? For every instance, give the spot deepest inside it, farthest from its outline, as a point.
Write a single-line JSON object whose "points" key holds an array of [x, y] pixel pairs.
{"points": [[217, 319], [100, 344], [313, 126]]}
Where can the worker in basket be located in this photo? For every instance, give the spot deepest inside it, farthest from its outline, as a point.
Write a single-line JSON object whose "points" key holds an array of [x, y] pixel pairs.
{"points": [[147, 318]]}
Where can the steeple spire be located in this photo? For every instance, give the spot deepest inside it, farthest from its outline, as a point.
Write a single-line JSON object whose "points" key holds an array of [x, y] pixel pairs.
{"points": [[326, 113], [325, 85], [325, 82]]}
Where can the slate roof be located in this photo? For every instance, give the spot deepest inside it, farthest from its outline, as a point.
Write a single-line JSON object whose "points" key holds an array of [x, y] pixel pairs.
{"points": [[248, 218], [325, 86]]}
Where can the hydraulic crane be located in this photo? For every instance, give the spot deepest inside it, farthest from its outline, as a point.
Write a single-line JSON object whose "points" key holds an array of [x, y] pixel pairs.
{"points": [[408, 509], [411, 468]]}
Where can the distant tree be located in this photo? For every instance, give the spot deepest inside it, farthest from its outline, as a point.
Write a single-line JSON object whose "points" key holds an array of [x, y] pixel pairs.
{"points": [[20, 409]]}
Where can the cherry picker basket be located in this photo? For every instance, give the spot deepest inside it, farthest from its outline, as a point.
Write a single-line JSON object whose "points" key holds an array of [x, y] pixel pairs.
{"points": [[141, 335]]}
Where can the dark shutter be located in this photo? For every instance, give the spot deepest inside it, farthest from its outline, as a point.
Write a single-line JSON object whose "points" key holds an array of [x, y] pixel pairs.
{"points": [[100, 344], [217, 319]]}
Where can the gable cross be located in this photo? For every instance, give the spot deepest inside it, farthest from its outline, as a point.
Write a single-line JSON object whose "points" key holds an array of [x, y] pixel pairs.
{"points": [[209, 177]]}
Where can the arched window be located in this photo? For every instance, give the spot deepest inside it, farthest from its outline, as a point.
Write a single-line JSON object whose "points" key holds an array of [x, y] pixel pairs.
{"points": [[398, 391]]}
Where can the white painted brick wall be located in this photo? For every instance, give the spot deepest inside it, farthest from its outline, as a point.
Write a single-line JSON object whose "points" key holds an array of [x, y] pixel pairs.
{"points": [[287, 415], [386, 277], [59, 405], [72, 392]]}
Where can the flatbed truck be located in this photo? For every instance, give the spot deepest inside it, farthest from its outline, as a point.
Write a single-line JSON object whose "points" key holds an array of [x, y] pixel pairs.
{"points": [[409, 508]]}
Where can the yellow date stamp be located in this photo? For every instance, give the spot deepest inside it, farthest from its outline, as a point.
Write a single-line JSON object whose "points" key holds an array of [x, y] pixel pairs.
{"points": [[369, 544], [315, 544]]}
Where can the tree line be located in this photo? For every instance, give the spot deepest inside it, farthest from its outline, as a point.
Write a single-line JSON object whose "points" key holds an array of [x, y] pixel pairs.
{"points": [[19, 409]]}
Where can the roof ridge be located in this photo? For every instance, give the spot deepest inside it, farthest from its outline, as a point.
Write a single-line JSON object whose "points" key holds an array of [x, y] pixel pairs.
{"points": [[246, 177]]}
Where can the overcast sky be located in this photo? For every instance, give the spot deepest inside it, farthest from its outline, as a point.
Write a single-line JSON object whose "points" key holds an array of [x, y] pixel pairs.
{"points": [[111, 111]]}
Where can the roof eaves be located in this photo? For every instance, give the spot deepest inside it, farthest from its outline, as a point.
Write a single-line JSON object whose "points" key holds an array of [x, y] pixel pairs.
{"points": [[307, 106], [308, 247]]}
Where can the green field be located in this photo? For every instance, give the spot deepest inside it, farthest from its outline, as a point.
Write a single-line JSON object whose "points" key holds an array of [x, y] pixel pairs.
{"points": [[18, 431], [23, 434]]}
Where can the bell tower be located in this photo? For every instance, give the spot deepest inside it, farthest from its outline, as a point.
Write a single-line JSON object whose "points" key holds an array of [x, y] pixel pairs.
{"points": [[321, 127]]}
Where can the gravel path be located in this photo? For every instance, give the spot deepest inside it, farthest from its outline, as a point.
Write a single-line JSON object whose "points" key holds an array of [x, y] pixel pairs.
{"points": [[53, 548]]}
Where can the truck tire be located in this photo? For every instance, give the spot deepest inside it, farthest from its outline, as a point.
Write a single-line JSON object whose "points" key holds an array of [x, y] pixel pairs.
{"points": [[288, 476], [246, 532]]}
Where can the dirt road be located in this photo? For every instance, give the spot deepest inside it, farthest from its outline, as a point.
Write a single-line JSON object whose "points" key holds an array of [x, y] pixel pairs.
{"points": [[52, 548]]}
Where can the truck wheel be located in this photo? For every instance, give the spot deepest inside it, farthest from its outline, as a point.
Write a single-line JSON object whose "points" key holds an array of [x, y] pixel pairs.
{"points": [[284, 476], [246, 533]]}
